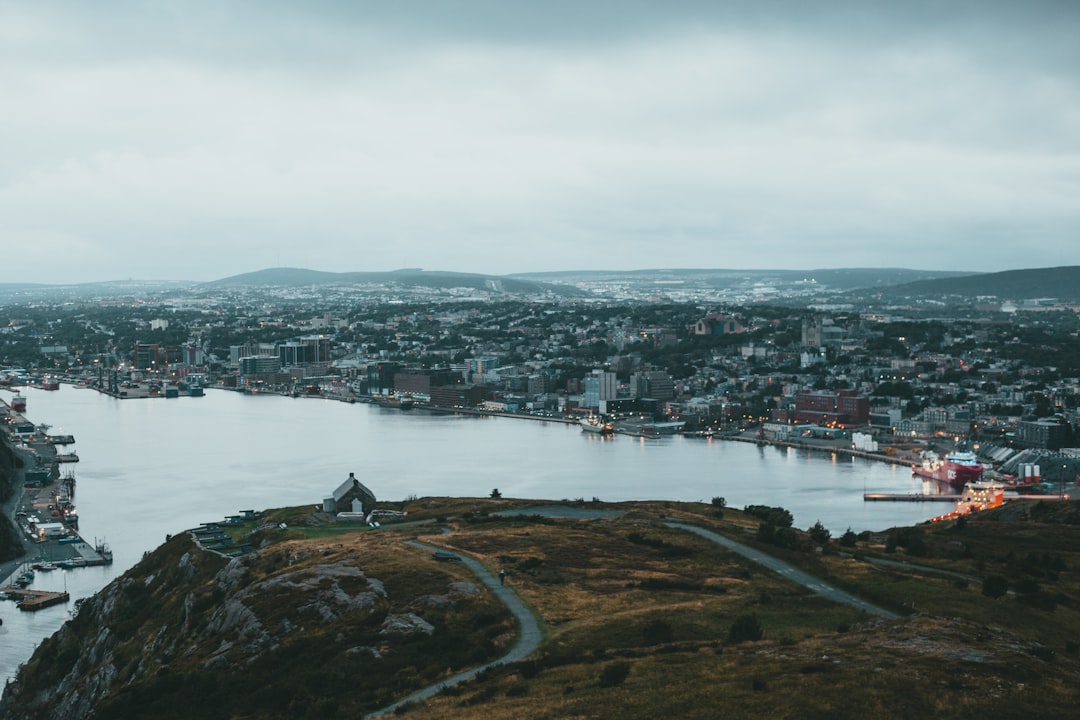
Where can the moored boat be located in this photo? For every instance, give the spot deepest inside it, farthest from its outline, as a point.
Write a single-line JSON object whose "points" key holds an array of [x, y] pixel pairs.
{"points": [[957, 469], [596, 425]]}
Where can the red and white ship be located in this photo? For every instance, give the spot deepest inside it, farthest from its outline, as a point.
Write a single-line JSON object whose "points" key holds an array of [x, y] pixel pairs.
{"points": [[18, 403], [959, 468]]}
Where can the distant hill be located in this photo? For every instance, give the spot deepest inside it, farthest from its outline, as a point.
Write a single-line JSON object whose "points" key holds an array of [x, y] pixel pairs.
{"points": [[835, 279], [1060, 283], [411, 277]]}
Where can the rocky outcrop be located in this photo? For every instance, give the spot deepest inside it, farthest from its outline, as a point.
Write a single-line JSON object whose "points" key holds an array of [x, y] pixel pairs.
{"points": [[189, 618], [406, 624]]}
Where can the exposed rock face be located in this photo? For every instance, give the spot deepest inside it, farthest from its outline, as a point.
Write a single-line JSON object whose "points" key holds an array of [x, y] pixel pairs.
{"points": [[245, 620], [318, 595], [188, 632], [406, 624], [455, 592]]}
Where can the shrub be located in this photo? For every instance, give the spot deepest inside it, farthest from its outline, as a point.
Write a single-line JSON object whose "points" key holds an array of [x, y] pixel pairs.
{"points": [[658, 632], [719, 502], [849, 538], [614, 674], [995, 586], [819, 533], [1027, 585], [773, 515], [780, 536], [746, 628]]}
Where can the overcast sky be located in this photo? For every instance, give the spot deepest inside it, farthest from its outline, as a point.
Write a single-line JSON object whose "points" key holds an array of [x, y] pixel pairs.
{"points": [[197, 140]]}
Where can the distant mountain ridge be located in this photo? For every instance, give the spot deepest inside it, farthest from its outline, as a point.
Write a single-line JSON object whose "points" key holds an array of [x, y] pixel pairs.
{"points": [[300, 277], [831, 278], [889, 284], [1060, 283]]}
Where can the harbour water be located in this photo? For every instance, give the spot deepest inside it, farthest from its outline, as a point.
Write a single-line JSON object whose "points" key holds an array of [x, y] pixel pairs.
{"points": [[153, 467]]}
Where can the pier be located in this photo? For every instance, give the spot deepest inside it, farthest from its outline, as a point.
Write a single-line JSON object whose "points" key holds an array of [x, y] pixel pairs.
{"points": [[31, 600], [909, 497]]}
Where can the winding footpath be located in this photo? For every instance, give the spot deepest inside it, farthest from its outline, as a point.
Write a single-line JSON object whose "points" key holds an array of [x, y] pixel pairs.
{"points": [[528, 640], [790, 572], [529, 627]]}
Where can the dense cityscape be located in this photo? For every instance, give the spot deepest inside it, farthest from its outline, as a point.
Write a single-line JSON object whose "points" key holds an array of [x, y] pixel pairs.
{"points": [[646, 357], [978, 392]]}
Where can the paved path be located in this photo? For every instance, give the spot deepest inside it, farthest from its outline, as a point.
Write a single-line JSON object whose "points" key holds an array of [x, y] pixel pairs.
{"points": [[788, 571], [528, 632], [921, 569]]}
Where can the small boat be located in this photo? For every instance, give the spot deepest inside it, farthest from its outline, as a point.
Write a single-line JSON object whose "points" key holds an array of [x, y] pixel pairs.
{"points": [[44, 566]]}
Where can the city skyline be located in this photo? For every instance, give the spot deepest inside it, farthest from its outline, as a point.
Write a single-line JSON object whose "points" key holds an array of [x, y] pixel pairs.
{"points": [[202, 141]]}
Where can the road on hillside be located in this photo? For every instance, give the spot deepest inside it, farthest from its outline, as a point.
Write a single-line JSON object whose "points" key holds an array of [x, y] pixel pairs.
{"points": [[528, 632], [790, 572]]}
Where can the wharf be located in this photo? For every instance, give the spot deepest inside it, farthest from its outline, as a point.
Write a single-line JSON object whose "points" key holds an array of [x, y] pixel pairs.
{"points": [[919, 497], [909, 497], [31, 600]]}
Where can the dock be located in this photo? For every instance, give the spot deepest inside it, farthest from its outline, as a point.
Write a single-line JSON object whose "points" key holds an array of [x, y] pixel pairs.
{"points": [[909, 497], [31, 600], [919, 497]]}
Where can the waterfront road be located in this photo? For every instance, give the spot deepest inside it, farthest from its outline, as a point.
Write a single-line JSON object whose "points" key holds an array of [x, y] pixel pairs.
{"points": [[528, 632], [788, 571]]}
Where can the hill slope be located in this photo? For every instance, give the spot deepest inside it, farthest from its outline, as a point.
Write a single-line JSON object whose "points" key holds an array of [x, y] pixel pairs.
{"points": [[299, 277], [327, 620], [1061, 283]]}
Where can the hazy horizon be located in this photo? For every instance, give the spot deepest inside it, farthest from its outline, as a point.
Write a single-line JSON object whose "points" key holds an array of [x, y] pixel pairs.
{"points": [[199, 141]]}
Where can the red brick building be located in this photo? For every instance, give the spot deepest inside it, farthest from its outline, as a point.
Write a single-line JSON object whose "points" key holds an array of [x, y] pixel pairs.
{"points": [[844, 408]]}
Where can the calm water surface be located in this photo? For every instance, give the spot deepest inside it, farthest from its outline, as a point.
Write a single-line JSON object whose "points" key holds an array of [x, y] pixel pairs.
{"points": [[152, 467]]}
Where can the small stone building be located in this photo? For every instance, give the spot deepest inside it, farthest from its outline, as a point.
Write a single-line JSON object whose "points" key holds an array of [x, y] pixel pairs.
{"points": [[351, 496]]}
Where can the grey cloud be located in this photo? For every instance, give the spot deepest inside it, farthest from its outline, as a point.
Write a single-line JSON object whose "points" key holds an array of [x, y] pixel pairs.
{"points": [[487, 137]]}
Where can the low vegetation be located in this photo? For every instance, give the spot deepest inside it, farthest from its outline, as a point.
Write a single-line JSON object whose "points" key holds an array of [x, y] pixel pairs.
{"points": [[640, 620]]}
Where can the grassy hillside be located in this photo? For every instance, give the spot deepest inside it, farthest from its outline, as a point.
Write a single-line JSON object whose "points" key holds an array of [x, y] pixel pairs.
{"points": [[1060, 283], [640, 620]]}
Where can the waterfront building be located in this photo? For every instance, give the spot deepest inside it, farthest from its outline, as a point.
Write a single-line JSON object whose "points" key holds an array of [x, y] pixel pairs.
{"points": [[843, 407], [599, 387], [421, 382], [1048, 433], [259, 365], [381, 377], [458, 395], [236, 352], [147, 357], [308, 350], [655, 384]]}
